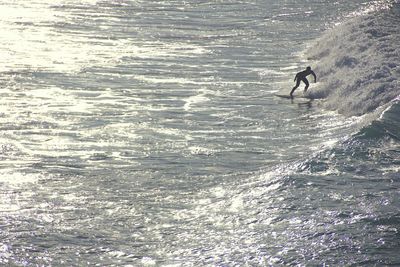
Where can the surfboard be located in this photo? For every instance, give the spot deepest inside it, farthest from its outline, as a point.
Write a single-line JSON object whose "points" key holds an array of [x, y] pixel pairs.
{"points": [[297, 99], [295, 96]]}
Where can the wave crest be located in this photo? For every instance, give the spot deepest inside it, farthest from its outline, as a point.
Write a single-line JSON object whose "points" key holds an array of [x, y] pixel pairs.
{"points": [[358, 62], [388, 125]]}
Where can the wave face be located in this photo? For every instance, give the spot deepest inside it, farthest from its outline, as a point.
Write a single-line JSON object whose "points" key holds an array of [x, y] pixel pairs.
{"points": [[349, 192], [358, 62]]}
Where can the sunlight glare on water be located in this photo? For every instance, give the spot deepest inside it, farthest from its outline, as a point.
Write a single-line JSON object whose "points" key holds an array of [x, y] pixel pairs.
{"points": [[147, 133]]}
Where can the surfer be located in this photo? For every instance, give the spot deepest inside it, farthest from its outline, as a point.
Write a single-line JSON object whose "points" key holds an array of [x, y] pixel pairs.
{"points": [[301, 76]]}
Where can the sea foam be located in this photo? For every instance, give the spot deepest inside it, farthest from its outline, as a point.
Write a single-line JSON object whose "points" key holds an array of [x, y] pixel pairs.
{"points": [[358, 62]]}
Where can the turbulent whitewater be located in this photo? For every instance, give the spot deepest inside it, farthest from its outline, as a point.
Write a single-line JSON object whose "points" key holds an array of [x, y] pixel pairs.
{"points": [[358, 61], [148, 133]]}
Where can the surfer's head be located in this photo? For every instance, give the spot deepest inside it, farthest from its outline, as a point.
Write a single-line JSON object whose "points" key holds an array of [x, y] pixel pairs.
{"points": [[308, 68]]}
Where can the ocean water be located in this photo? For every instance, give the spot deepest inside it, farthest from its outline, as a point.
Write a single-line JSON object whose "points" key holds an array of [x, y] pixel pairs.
{"points": [[148, 133]]}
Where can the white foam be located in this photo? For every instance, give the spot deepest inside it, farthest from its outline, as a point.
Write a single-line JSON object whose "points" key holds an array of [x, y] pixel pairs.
{"points": [[196, 99], [358, 63], [268, 73], [16, 178]]}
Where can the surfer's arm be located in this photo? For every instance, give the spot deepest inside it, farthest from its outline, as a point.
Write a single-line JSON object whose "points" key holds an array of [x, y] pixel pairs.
{"points": [[315, 76], [295, 78]]}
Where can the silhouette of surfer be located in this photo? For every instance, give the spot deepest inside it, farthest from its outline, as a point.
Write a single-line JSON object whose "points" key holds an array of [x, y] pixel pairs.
{"points": [[301, 76]]}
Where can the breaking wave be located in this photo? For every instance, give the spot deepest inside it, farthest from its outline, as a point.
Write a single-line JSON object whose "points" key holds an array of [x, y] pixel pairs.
{"points": [[358, 62]]}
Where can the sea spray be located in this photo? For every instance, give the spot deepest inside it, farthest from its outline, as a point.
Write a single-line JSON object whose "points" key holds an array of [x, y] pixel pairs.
{"points": [[358, 62]]}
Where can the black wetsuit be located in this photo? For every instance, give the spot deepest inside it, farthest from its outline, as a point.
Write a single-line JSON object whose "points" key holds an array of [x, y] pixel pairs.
{"points": [[301, 76]]}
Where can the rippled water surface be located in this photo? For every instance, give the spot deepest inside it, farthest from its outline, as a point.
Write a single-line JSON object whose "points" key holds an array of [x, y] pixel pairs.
{"points": [[138, 133]]}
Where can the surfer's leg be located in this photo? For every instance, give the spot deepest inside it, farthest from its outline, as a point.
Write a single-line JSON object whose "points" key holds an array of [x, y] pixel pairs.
{"points": [[307, 84], [294, 88]]}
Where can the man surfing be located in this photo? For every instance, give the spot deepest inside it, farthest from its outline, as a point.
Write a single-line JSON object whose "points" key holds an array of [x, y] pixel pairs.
{"points": [[301, 76]]}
